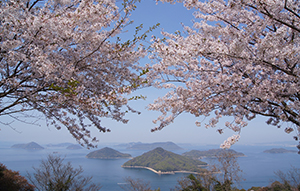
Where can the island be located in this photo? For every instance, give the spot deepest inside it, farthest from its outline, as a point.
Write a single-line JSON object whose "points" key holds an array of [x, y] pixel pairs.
{"points": [[28, 146], [149, 146], [195, 154], [107, 153], [74, 147], [279, 150], [59, 145], [130, 144], [161, 161]]}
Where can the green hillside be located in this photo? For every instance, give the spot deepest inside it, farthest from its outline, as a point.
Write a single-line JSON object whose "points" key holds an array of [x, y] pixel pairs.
{"points": [[195, 154], [107, 153], [165, 161]]}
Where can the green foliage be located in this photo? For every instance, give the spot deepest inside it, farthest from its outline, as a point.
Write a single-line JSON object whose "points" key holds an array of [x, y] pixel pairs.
{"points": [[254, 188], [277, 186], [195, 184], [291, 178], [138, 97], [69, 90], [223, 186]]}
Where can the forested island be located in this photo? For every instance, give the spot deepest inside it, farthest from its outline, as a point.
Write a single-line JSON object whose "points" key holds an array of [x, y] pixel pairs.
{"points": [[107, 153], [279, 150], [28, 146], [149, 146], [161, 161], [196, 154]]}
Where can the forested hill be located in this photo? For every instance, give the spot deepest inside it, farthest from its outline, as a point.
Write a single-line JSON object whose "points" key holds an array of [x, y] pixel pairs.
{"points": [[195, 154], [165, 161], [107, 153], [149, 146]]}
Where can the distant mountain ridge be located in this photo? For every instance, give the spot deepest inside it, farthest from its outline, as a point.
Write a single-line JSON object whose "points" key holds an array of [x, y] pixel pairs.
{"points": [[279, 150], [165, 162], [127, 144], [107, 153], [196, 154], [59, 145], [28, 146], [74, 147], [150, 146]]}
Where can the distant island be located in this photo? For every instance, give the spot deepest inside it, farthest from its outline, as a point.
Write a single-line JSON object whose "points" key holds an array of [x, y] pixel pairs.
{"points": [[127, 144], [279, 150], [74, 147], [161, 161], [149, 146], [107, 153], [59, 145], [28, 146], [195, 154]]}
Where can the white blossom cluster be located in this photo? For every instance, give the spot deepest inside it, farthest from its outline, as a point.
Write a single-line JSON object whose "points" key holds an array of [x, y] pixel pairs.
{"points": [[230, 141], [63, 58], [241, 58]]}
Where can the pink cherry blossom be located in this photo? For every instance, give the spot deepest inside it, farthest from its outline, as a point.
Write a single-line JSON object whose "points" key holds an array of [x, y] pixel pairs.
{"points": [[63, 58], [240, 58]]}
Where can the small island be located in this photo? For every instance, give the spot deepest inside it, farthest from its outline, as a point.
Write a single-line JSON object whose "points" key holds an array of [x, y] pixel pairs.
{"points": [[150, 146], [28, 146], [279, 150], [161, 161], [59, 145], [74, 147], [195, 154], [107, 153]]}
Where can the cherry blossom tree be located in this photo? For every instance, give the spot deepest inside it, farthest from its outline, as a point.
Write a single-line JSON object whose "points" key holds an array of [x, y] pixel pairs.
{"points": [[65, 59], [240, 59]]}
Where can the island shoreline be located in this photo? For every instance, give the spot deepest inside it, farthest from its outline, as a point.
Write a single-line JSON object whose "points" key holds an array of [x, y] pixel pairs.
{"points": [[108, 157], [159, 172]]}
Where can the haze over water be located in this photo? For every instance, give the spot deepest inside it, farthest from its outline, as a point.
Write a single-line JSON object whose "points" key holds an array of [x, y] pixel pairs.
{"points": [[258, 167]]}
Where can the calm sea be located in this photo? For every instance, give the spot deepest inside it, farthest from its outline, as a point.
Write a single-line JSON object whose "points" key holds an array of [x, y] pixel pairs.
{"points": [[258, 167]]}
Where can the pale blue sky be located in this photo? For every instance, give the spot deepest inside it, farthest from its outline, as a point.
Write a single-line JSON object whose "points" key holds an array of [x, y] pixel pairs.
{"points": [[183, 130]]}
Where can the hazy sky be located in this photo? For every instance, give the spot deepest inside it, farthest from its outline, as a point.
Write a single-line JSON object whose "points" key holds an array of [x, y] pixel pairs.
{"points": [[183, 130]]}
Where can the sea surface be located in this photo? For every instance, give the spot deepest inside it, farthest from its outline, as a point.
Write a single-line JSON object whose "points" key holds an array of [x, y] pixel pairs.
{"points": [[258, 167]]}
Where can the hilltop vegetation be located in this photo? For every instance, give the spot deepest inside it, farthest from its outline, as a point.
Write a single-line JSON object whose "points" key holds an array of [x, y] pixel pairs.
{"points": [[165, 161], [28, 146], [107, 153], [195, 154]]}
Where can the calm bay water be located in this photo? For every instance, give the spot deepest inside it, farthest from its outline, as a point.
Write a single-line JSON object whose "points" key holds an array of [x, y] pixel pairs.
{"points": [[258, 167]]}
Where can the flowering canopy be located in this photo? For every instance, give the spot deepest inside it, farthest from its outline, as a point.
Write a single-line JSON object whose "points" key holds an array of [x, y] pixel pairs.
{"points": [[63, 59], [241, 59]]}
